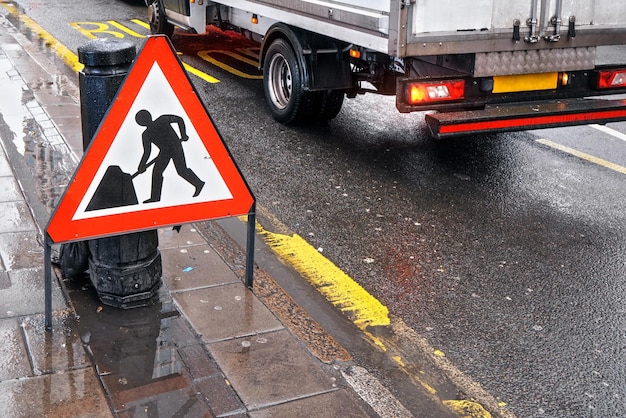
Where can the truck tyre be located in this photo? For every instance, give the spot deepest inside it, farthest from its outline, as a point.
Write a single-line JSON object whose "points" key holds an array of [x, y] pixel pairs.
{"points": [[327, 104], [283, 84], [158, 20]]}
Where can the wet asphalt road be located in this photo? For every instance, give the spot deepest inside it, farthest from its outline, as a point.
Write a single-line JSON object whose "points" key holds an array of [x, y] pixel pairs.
{"points": [[506, 254]]}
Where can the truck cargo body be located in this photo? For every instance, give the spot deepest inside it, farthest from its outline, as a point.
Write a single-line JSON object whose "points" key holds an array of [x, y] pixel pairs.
{"points": [[483, 65]]}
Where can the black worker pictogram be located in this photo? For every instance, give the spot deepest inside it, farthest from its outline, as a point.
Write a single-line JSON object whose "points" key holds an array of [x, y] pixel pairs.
{"points": [[159, 132], [116, 188]]}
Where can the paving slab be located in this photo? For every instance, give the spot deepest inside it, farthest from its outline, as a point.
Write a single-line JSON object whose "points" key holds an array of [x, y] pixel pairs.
{"points": [[192, 267], [5, 167], [270, 369], [184, 236], [218, 391], [15, 217], [57, 351], [9, 191], [72, 394], [333, 404], [21, 250], [26, 286], [225, 312], [13, 356]]}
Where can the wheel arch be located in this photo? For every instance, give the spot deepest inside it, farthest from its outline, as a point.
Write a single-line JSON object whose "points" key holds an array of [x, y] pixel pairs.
{"points": [[289, 34]]}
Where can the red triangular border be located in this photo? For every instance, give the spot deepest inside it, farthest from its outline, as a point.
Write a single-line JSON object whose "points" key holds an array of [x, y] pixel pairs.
{"points": [[61, 227]]}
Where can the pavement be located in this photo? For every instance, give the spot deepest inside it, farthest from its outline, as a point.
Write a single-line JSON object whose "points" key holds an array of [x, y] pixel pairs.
{"points": [[208, 347]]}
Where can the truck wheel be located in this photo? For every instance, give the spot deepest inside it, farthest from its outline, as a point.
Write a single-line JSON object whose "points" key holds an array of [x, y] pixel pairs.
{"points": [[282, 82], [158, 21], [327, 104]]}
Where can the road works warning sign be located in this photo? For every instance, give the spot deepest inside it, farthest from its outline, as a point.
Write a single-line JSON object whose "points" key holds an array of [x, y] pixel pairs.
{"points": [[156, 160]]}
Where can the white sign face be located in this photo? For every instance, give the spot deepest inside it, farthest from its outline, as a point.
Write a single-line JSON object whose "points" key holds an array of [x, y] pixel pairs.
{"points": [[156, 136]]}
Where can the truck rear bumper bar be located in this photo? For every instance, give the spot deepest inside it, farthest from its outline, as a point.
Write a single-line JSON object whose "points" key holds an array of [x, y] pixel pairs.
{"points": [[523, 116]]}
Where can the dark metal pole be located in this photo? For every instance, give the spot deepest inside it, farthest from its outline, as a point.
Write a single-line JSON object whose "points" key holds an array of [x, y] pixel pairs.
{"points": [[250, 247], [125, 269], [106, 64], [48, 282]]}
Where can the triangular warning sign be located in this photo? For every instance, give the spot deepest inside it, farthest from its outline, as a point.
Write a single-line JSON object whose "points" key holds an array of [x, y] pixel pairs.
{"points": [[156, 160]]}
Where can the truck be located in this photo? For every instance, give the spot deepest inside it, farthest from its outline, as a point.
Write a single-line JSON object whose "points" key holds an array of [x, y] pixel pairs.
{"points": [[472, 66]]}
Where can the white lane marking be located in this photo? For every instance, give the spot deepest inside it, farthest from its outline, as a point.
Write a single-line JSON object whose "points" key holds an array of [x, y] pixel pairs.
{"points": [[609, 131]]}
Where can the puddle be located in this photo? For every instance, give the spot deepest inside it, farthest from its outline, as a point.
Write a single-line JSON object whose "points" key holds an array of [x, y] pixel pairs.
{"points": [[30, 135], [133, 350]]}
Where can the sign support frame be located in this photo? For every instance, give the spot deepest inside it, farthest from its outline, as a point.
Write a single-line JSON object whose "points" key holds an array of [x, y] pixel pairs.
{"points": [[48, 280], [250, 246]]}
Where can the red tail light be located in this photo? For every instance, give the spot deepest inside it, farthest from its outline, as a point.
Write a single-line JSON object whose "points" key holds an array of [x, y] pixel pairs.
{"points": [[435, 91], [610, 79]]}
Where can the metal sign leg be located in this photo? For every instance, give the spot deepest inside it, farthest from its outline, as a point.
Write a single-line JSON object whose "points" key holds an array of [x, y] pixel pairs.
{"points": [[250, 247], [48, 284]]}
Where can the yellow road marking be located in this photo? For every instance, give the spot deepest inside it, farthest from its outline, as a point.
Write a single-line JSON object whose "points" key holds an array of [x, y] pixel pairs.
{"points": [[253, 54], [362, 308], [201, 74], [71, 59], [205, 55], [103, 28], [342, 291], [67, 56], [584, 156], [141, 23], [125, 29], [88, 29], [467, 409], [339, 288]]}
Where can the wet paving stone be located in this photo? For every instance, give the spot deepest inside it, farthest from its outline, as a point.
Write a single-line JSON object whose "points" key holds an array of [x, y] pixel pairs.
{"points": [[198, 362], [14, 217], [221, 396], [5, 167], [184, 236], [333, 404], [191, 267], [9, 191], [27, 287], [225, 312], [20, 250], [13, 356], [270, 368], [72, 394]]}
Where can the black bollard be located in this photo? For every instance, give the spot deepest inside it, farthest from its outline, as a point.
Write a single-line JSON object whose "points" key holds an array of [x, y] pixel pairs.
{"points": [[126, 269]]}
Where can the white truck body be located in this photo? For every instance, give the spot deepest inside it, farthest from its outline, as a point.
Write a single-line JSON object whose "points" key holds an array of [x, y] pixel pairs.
{"points": [[482, 42]]}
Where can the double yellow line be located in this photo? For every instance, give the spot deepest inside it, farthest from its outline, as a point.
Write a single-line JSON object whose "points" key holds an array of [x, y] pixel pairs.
{"points": [[67, 56]]}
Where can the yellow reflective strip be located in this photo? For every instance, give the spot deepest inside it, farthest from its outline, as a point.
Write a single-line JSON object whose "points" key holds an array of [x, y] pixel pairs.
{"points": [[584, 156], [524, 82]]}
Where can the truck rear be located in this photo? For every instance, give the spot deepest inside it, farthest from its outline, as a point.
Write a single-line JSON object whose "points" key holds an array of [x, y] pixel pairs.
{"points": [[480, 66]]}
